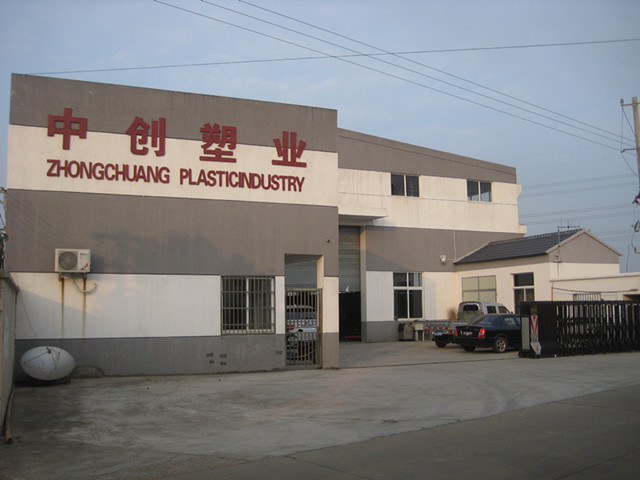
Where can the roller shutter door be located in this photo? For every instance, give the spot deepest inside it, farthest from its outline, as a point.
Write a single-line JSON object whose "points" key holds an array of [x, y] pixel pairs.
{"points": [[349, 259]]}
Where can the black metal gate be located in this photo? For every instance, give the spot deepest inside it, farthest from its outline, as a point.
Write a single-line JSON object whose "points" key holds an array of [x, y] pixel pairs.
{"points": [[578, 328], [304, 311]]}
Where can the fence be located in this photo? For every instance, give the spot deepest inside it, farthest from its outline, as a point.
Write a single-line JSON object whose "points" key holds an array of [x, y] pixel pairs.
{"points": [[578, 328], [304, 311]]}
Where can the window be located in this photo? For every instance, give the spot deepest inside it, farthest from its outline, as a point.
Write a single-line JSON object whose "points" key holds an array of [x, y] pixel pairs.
{"points": [[248, 305], [523, 289], [478, 191], [407, 295], [405, 185], [587, 297], [479, 289]]}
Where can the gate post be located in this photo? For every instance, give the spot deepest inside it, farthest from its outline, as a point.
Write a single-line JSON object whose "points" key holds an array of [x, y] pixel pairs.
{"points": [[329, 323]]}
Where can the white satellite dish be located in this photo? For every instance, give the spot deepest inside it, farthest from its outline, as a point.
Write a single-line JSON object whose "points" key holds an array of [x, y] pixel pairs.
{"points": [[47, 363]]}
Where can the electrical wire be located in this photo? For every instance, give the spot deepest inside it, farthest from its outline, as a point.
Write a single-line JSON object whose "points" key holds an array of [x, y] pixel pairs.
{"points": [[578, 210], [344, 58], [208, 2], [585, 217], [399, 55], [573, 182], [389, 74], [558, 192], [622, 150]]}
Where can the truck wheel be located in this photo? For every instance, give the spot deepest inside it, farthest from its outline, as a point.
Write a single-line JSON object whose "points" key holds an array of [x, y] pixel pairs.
{"points": [[500, 345], [441, 343]]}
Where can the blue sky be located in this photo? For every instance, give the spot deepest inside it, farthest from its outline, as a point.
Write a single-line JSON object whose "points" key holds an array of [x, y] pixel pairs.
{"points": [[459, 95]]}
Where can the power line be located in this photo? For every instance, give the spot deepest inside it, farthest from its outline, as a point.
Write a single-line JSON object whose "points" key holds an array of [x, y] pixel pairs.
{"points": [[585, 217], [345, 58], [411, 70], [583, 180], [578, 210], [558, 192], [399, 55]]}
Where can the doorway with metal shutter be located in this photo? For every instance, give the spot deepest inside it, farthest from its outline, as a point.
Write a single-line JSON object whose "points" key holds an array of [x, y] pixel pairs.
{"points": [[350, 316]]}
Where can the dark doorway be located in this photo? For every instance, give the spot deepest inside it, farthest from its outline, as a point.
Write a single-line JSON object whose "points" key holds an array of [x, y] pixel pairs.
{"points": [[350, 326]]}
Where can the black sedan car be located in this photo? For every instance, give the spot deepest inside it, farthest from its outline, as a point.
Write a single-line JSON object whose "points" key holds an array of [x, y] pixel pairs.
{"points": [[498, 332]]}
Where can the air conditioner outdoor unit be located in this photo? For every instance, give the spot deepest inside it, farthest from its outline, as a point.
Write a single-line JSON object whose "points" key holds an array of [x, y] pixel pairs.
{"points": [[73, 260]]}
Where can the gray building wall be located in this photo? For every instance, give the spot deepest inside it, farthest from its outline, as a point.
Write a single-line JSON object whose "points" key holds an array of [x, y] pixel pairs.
{"points": [[8, 296], [360, 151], [152, 235], [135, 234], [111, 109], [584, 248], [168, 355], [419, 250]]}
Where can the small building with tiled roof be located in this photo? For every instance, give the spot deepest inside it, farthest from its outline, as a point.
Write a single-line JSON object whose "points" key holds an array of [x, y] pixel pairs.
{"points": [[538, 267], [517, 247]]}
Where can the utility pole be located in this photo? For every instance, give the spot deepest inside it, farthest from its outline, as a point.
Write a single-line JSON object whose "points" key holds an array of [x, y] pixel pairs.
{"points": [[636, 124]]}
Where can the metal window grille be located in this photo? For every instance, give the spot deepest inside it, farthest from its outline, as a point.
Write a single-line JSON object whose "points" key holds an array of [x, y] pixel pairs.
{"points": [[585, 297], [304, 311], [248, 305]]}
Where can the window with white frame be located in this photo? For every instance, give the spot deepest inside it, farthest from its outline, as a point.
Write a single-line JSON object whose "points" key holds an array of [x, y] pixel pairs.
{"points": [[407, 295], [478, 191], [405, 185], [479, 289], [247, 305]]}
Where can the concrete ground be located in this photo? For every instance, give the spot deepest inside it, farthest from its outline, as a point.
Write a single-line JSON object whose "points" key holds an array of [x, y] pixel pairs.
{"points": [[394, 410]]}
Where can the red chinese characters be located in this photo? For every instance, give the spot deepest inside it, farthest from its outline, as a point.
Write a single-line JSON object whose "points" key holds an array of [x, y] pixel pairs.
{"points": [[223, 138], [139, 133], [67, 128], [219, 143], [289, 150]]}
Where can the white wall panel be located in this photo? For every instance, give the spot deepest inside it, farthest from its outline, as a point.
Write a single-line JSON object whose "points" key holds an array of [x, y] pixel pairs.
{"points": [[442, 204], [379, 297], [120, 306], [330, 303], [441, 292], [31, 148]]}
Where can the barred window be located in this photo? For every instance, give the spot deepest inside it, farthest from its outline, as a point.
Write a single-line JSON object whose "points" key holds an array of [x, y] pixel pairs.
{"points": [[587, 297], [248, 305]]}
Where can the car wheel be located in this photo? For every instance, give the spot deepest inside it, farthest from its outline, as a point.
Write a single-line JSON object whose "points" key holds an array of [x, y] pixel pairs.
{"points": [[441, 343], [500, 345], [469, 348]]}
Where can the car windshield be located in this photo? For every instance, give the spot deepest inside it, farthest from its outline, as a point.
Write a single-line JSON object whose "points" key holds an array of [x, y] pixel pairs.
{"points": [[498, 321], [486, 320]]}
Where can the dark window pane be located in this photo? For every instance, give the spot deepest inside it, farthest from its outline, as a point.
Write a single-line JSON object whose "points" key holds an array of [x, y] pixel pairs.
{"points": [[413, 186], [399, 279], [400, 304], [397, 184], [485, 191], [472, 191], [415, 303], [523, 279], [518, 299]]}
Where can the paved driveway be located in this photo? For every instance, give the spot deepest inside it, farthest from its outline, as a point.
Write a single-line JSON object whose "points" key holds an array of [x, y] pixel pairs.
{"points": [[150, 427]]}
